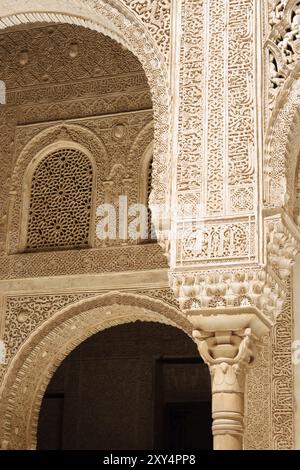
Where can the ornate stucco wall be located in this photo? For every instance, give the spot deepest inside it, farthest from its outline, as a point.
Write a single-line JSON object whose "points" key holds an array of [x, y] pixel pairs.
{"points": [[223, 79]]}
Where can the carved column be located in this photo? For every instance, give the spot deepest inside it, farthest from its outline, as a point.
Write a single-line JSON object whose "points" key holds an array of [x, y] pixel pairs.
{"points": [[227, 355], [225, 340]]}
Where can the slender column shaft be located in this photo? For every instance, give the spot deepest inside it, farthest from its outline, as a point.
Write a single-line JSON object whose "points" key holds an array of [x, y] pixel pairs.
{"points": [[228, 418], [227, 355]]}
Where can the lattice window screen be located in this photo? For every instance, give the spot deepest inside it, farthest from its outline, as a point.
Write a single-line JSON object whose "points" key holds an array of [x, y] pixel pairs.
{"points": [[61, 202]]}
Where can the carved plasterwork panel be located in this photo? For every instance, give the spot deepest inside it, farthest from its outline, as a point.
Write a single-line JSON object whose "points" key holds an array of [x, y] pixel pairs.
{"points": [[224, 87], [214, 241], [25, 313], [282, 101], [217, 167], [98, 137], [189, 166], [258, 417], [282, 105], [242, 146], [57, 76], [103, 105], [120, 23], [7, 131], [102, 137], [68, 91], [282, 149], [282, 377], [153, 14], [156, 15], [216, 153], [282, 45], [64, 263], [43, 56]]}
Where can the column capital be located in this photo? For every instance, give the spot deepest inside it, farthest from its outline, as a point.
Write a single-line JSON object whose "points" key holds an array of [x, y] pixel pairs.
{"points": [[228, 354], [226, 341], [232, 347]]}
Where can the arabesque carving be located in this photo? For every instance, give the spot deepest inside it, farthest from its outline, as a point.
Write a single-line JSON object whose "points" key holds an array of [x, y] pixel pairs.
{"points": [[283, 43], [122, 25]]}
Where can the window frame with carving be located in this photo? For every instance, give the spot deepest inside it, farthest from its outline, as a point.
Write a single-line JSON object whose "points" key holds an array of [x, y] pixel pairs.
{"points": [[27, 195]]}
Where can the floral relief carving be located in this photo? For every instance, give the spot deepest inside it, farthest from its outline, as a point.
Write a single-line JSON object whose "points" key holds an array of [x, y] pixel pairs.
{"points": [[101, 260], [282, 141], [25, 313], [241, 102], [154, 14], [276, 11], [258, 417], [217, 167], [282, 377], [7, 132], [191, 98], [215, 159]]}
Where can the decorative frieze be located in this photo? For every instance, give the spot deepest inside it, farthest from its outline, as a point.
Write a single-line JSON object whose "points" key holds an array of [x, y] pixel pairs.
{"points": [[282, 379], [213, 241], [64, 263]]}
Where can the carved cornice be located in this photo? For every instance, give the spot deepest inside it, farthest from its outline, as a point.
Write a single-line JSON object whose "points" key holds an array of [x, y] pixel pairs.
{"points": [[228, 288], [263, 287]]}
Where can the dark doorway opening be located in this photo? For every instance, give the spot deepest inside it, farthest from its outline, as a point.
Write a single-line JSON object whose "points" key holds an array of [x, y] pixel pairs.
{"points": [[183, 429], [183, 404], [134, 386]]}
